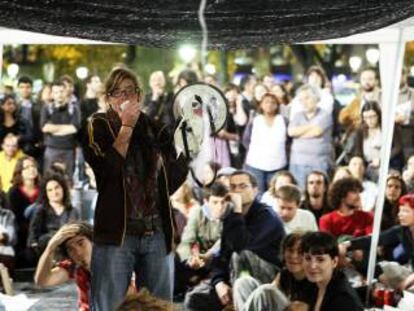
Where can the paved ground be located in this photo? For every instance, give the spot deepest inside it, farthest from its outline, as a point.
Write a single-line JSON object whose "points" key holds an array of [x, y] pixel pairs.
{"points": [[62, 298]]}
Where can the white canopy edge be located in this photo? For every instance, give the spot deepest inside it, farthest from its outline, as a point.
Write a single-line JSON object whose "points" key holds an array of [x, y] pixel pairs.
{"points": [[14, 36]]}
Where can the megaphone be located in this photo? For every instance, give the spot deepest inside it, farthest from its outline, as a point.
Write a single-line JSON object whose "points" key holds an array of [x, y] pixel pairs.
{"points": [[199, 107], [202, 111]]}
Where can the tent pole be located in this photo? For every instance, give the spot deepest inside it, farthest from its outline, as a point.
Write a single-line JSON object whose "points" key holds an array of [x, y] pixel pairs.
{"points": [[391, 62]]}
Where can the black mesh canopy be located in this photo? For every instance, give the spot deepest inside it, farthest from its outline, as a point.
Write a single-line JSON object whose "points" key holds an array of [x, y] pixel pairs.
{"points": [[231, 23]]}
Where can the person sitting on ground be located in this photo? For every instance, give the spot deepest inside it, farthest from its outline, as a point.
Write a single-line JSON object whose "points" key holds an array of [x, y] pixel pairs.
{"points": [[278, 180], [399, 237], [200, 239], [8, 159], [347, 218], [394, 190], [8, 234], [22, 198], [55, 211], [291, 281], [316, 194], [370, 192], [408, 174], [293, 218], [251, 238], [75, 242], [320, 262]]}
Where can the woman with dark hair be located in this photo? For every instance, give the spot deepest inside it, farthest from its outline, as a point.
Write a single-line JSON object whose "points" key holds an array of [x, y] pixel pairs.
{"points": [[54, 211], [22, 197], [320, 262], [265, 141], [10, 121], [368, 141], [394, 190], [401, 235], [249, 294]]}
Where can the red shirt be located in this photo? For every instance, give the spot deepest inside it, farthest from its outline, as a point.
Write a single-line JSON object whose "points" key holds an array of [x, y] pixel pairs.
{"points": [[82, 278], [357, 224]]}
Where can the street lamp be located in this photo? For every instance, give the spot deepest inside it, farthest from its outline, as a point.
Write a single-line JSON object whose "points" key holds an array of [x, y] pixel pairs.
{"points": [[82, 72], [210, 69], [355, 62], [12, 70], [372, 55], [187, 53]]}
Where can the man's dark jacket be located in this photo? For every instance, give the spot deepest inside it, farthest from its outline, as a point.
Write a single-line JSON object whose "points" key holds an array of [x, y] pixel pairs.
{"points": [[109, 167], [260, 231]]}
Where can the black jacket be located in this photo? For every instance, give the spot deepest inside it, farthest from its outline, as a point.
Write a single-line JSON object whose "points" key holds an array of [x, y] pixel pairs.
{"points": [[340, 296], [109, 169], [260, 231]]}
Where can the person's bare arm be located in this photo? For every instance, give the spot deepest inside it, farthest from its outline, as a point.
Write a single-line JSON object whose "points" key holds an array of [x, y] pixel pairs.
{"points": [[46, 274]]}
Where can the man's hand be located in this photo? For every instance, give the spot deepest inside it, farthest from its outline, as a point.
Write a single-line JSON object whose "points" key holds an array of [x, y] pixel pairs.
{"points": [[130, 113], [224, 293], [343, 248], [237, 201], [195, 262]]}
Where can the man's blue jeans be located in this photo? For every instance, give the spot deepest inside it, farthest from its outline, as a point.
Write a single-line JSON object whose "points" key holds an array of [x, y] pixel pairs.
{"points": [[112, 268]]}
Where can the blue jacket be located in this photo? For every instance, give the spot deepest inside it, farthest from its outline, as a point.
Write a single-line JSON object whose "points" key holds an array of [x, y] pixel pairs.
{"points": [[260, 231], [392, 237]]}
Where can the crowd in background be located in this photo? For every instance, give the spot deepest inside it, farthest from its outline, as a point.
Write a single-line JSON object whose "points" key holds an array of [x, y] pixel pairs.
{"points": [[312, 162]]}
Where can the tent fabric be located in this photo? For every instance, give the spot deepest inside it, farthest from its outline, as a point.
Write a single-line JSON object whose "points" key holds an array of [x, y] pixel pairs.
{"points": [[231, 23]]}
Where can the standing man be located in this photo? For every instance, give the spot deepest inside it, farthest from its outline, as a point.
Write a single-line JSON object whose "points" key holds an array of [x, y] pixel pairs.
{"points": [[350, 116], [60, 122], [29, 111], [136, 170]]}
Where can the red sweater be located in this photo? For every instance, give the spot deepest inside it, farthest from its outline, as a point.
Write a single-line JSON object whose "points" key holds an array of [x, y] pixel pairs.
{"points": [[358, 224]]}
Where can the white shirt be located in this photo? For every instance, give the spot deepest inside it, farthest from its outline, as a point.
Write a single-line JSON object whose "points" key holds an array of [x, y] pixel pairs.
{"points": [[369, 195], [267, 149], [304, 221]]}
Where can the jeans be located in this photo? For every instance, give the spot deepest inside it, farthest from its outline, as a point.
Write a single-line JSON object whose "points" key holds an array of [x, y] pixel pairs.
{"points": [[249, 295], [112, 268], [301, 172], [262, 177]]}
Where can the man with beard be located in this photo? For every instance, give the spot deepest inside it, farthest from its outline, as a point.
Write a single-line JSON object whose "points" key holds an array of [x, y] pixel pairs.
{"points": [[350, 116], [347, 220], [316, 189]]}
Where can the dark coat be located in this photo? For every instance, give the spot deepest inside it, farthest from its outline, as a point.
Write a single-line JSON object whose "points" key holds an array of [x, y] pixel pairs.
{"points": [[109, 169]]}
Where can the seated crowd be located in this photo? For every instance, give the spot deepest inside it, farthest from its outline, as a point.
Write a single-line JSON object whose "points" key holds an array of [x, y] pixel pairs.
{"points": [[285, 213]]}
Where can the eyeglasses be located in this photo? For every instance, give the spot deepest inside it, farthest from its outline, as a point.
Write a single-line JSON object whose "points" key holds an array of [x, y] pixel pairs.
{"points": [[127, 92]]}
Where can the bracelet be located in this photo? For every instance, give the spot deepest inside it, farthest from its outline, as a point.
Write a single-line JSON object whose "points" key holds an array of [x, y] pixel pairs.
{"points": [[128, 125]]}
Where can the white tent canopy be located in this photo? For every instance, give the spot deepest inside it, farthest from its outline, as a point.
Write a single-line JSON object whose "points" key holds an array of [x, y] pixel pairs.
{"points": [[391, 41]]}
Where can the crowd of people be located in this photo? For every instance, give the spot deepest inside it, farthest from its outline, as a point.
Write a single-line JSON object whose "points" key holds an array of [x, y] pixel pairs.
{"points": [[92, 190]]}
